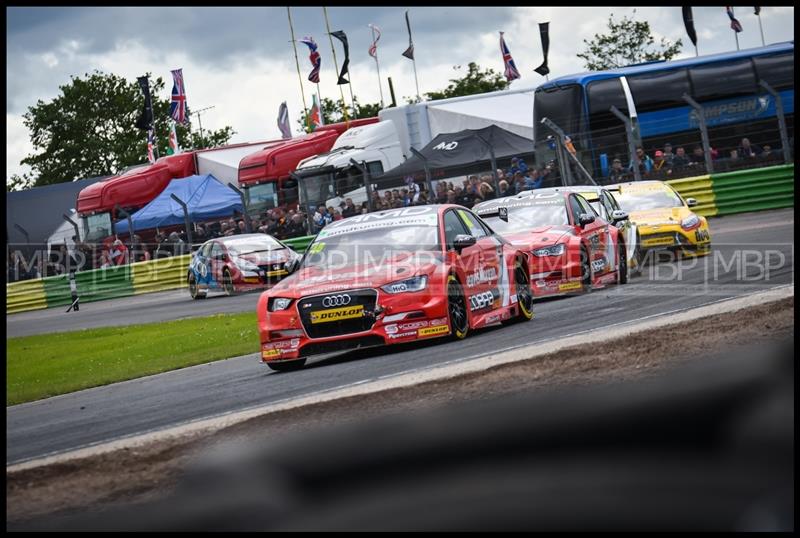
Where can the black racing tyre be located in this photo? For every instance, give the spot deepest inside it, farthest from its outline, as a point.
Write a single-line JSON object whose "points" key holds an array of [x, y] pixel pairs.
{"points": [[586, 271], [227, 282], [622, 269], [522, 287], [287, 366], [194, 289], [457, 309]]}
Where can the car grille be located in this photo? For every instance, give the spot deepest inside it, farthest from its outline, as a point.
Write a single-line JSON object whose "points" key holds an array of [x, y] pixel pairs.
{"points": [[272, 267], [364, 298]]}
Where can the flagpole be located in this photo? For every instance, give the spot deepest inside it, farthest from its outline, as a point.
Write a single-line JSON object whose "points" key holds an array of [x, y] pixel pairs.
{"points": [[761, 28], [735, 33], [336, 67], [414, 61], [377, 64], [297, 64]]}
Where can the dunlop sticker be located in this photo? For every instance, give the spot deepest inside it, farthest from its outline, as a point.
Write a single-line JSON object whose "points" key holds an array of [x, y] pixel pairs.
{"points": [[431, 331], [569, 286], [337, 314], [267, 353]]}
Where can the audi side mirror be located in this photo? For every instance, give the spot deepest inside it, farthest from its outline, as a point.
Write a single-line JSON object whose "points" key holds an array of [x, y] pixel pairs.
{"points": [[585, 219], [691, 202], [618, 215], [463, 241]]}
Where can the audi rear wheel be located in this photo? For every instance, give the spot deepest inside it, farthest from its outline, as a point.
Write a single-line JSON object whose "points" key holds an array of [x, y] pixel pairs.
{"points": [[622, 269], [457, 309], [522, 288]]}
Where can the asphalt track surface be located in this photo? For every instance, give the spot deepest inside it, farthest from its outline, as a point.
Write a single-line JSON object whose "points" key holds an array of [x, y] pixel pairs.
{"points": [[751, 253]]}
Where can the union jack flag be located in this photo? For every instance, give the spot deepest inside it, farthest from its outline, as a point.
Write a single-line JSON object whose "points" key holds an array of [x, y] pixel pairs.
{"points": [[314, 58], [151, 141], [736, 26], [177, 108], [511, 69]]}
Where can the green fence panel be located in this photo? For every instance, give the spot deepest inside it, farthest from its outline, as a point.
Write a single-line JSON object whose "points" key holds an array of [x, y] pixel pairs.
{"points": [[754, 190], [95, 285], [299, 243]]}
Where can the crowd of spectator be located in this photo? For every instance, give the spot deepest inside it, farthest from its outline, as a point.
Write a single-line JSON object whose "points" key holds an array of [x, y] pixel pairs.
{"points": [[664, 164]]}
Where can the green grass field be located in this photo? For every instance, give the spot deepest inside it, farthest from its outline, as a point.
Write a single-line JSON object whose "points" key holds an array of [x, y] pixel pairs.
{"points": [[46, 365]]}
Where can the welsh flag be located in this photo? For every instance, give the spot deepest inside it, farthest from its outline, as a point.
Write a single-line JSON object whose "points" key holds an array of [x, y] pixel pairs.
{"points": [[315, 119], [174, 148]]}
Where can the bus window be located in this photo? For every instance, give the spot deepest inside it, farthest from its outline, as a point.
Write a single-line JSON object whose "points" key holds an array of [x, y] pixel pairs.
{"points": [[603, 94], [564, 106], [720, 81], [778, 70], [660, 90]]}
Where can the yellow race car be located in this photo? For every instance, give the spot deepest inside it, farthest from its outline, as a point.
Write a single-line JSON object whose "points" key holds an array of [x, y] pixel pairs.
{"points": [[663, 218]]}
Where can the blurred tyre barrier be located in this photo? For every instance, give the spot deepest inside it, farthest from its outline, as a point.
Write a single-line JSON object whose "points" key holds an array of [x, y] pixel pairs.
{"points": [[25, 295], [94, 285], [98, 284], [299, 244], [159, 275], [701, 190], [754, 190], [741, 191]]}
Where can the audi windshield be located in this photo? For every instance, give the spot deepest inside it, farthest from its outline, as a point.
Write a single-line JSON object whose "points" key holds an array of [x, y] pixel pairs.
{"points": [[371, 246], [522, 219]]}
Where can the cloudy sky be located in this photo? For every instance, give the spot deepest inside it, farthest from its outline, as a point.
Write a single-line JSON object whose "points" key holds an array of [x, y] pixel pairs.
{"points": [[241, 60]]}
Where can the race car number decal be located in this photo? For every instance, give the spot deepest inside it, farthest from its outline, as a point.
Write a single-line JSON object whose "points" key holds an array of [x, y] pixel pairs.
{"points": [[337, 314], [483, 300]]}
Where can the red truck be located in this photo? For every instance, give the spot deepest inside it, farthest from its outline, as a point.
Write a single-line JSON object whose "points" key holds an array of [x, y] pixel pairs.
{"points": [[262, 169]]}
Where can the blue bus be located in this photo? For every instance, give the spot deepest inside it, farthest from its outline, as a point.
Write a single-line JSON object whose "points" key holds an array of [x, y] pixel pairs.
{"points": [[726, 85]]}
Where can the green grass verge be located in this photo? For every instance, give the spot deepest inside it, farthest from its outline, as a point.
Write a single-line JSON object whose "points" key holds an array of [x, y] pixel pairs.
{"points": [[47, 365]]}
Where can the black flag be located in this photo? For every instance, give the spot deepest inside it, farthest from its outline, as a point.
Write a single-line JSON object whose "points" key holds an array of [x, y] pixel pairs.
{"points": [[756, 10], [409, 53], [338, 34], [688, 21], [145, 121], [544, 28]]}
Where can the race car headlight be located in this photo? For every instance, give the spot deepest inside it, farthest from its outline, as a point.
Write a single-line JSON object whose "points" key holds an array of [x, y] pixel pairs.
{"points": [[690, 222], [555, 250], [277, 304], [410, 284]]}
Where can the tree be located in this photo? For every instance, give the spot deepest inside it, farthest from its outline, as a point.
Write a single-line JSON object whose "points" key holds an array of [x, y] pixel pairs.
{"points": [[474, 82], [89, 131], [627, 42]]}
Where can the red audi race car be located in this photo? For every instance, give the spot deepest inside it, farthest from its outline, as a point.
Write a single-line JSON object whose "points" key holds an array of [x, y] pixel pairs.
{"points": [[571, 248], [238, 263], [393, 276]]}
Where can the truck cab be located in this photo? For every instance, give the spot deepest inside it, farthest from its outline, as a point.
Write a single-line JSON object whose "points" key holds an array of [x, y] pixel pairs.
{"points": [[331, 177]]}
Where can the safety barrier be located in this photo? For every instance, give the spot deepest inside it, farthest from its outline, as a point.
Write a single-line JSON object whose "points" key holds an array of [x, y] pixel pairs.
{"points": [[738, 192], [94, 285], [25, 295], [299, 243], [159, 275], [699, 188], [754, 190]]}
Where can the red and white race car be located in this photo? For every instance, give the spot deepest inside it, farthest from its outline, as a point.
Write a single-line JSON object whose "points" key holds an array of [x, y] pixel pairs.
{"points": [[572, 249], [390, 277]]}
